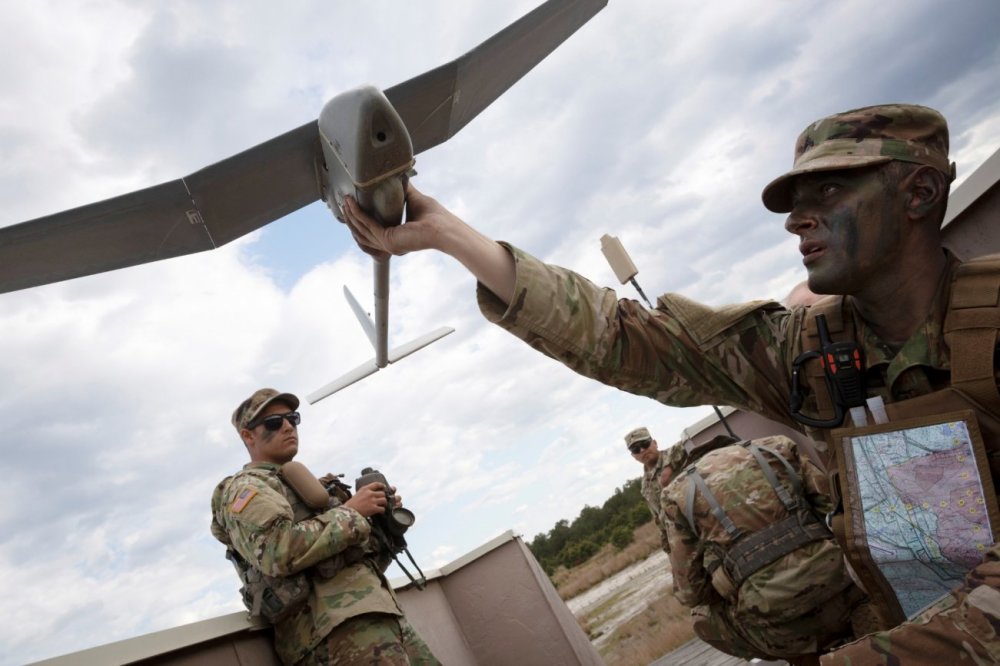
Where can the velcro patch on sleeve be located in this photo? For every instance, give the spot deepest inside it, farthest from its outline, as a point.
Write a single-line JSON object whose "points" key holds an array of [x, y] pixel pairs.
{"points": [[243, 499]]}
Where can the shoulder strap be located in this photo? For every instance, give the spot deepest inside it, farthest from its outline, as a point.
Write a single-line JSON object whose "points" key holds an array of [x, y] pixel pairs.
{"points": [[791, 503], [970, 329], [300, 510], [751, 552], [720, 514]]}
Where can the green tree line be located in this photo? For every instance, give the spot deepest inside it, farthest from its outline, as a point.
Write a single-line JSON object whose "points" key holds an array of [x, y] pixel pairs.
{"points": [[569, 544]]}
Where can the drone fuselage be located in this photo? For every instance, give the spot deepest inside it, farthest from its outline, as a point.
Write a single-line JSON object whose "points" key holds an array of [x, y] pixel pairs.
{"points": [[367, 154]]}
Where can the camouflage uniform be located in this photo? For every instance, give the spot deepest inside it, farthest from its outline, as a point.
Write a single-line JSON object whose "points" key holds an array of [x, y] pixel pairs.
{"points": [[683, 353], [650, 485], [351, 615], [263, 531], [798, 604], [651, 493]]}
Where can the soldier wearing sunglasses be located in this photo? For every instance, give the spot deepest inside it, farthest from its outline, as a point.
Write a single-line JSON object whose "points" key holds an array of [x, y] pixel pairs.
{"points": [[312, 573], [643, 448]]}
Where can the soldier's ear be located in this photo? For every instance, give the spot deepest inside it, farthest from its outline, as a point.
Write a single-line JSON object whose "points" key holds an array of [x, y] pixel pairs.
{"points": [[926, 192]]}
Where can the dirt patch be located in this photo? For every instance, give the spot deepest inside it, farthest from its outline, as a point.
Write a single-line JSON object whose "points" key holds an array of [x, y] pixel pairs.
{"points": [[619, 598]]}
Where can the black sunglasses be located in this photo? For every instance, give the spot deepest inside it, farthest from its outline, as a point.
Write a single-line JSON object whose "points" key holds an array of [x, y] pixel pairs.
{"points": [[639, 446], [274, 421]]}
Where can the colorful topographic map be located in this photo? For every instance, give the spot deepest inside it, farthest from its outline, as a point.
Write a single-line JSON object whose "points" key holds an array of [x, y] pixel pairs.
{"points": [[924, 510]]}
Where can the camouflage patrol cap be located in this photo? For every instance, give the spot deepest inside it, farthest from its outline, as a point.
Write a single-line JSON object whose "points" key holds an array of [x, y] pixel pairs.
{"points": [[637, 435], [256, 403], [865, 137]]}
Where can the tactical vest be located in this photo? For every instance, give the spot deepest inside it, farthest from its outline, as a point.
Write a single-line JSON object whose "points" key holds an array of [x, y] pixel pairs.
{"points": [[971, 328], [751, 552], [275, 598]]}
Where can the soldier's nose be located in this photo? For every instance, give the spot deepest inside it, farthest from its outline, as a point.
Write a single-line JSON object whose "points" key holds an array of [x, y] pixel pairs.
{"points": [[798, 222]]}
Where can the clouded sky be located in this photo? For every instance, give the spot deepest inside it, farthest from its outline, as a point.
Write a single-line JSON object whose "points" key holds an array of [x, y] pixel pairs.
{"points": [[659, 122]]}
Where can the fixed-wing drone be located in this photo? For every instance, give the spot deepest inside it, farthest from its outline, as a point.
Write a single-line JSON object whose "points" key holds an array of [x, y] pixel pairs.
{"points": [[363, 145]]}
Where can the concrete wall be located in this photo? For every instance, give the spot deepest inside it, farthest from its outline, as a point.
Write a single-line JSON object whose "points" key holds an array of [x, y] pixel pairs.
{"points": [[430, 612], [505, 610]]}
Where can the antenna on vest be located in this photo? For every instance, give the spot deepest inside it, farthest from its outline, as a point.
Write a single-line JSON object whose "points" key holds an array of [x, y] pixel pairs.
{"points": [[621, 263]]}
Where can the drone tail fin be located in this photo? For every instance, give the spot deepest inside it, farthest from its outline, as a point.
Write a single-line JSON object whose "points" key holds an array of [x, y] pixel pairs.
{"points": [[366, 322], [371, 366]]}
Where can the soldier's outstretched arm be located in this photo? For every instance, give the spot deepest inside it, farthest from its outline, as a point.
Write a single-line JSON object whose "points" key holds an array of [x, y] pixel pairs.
{"points": [[431, 226], [681, 353]]}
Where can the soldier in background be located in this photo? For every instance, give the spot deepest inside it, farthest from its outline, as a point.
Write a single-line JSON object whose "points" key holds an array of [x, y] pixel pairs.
{"points": [[749, 551], [644, 449], [659, 466], [315, 574]]}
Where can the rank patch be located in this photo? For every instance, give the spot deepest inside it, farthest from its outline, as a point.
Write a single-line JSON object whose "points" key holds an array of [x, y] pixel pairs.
{"points": [[243, 499]]}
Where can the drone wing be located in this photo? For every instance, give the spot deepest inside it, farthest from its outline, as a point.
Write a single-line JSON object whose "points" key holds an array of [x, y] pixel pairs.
{"points": [[233, 197], [202, 211], [437, 104]]}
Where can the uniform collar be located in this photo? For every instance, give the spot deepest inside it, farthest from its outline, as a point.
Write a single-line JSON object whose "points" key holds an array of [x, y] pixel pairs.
{"points": [[925, 347], [274, 467]]}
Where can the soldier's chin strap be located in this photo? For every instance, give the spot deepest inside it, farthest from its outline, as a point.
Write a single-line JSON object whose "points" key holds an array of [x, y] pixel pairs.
{"points": [[843, 373]]}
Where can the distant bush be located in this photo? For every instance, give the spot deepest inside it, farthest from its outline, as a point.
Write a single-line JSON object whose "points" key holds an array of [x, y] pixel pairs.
{"points": [[622, 536], [640, 515], [578, 552], [568, 544], [607, 562]]}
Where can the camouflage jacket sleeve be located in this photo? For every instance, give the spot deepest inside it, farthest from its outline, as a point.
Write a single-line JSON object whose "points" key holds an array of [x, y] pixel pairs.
{"points": [[651, 490], [664, 540], [692, 585], [258, 521], [682, 353]]}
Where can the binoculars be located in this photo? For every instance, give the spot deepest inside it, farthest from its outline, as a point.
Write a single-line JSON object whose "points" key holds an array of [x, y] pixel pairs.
{"points": [[395, 520]]}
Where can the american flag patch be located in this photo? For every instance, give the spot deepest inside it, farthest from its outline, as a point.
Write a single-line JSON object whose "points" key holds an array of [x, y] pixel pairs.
{"points": [[243, 499]]}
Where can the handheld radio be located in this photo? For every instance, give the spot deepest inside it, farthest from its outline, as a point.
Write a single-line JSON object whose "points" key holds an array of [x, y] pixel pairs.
{"points": [[843, 371]]}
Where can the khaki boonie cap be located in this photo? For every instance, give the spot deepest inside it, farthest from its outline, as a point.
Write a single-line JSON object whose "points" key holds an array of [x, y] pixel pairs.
{"points": [[864, 137], [255, 404], [637, 435]]}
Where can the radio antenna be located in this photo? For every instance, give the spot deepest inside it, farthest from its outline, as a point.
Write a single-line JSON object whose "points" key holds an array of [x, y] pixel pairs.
{"points": [[621, 263]]}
